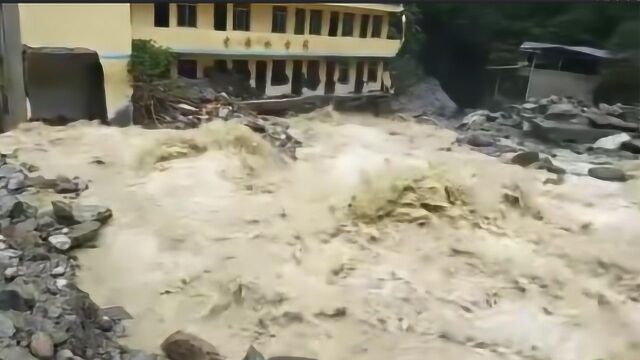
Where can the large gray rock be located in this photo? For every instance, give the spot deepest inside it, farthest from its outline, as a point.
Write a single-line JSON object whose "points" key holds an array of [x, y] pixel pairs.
{"points": [[603, 121], [60, 241], [562, 111], [632, 146], [185, 346], [607, 173], [84, 233], [479, 140], [612, 142], [6, 327], [16, 353], [8, 170], [567, 132], [41, 345], [69, 214], [10, 207], [525, 158], [13, 300]]}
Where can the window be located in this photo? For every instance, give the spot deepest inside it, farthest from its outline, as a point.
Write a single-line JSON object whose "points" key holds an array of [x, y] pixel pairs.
{"points": [[343, 72], [161, 15], [347, 24], [241, 16], [301, 15], [220, 16], [279, 73], [333, 23], [364, 26], [312, 80], [188, 68], [376, 30], [372, 71], [279, 20], [187, 14], [315, 22], [220, 66]]}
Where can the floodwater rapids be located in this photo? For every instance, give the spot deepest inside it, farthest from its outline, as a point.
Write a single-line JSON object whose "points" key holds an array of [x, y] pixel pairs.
{"points": [[213, 233]]}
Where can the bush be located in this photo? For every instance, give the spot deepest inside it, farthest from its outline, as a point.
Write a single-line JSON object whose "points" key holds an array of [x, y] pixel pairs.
{"points": [[149, 61]]}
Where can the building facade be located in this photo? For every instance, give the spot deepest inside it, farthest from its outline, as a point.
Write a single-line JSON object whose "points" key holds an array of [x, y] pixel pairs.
{"points": [[74, 62]]}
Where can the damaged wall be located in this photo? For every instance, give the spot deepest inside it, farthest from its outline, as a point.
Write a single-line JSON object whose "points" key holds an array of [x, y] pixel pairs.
{"points": [[104, 28], [64, 85], [544, 83]]}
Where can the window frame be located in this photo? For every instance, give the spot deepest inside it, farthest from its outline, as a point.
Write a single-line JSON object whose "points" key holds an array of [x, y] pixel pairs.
{"points": [[190, 21], [241, 9], [376, 33], [319, 18], [156, 7], [218, 7], [192, 61], [342, 66], [299, 26], [346, 16], [282, 76], [279, 19]]}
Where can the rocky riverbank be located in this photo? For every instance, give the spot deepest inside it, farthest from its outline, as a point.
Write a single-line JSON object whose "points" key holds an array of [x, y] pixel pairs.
{"points": [[43, 314]]}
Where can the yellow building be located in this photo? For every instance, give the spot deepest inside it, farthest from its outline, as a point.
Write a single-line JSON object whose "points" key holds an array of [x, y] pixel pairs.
{"points": [[75, 57]]}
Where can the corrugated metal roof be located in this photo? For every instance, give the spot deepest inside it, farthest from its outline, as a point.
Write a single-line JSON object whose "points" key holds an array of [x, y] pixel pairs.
{"points": [[380, 7], [533, 46]]}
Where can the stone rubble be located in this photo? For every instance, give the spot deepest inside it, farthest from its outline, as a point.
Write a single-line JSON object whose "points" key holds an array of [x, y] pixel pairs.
{"points": [[609, 132], [43, 314]]}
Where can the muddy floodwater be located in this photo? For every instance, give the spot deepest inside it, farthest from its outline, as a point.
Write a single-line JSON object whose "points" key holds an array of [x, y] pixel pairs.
{"points": [[215, 234]]}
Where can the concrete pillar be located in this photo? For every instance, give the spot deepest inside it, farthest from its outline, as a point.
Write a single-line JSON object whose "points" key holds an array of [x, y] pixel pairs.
{"points": [[12, 71]]}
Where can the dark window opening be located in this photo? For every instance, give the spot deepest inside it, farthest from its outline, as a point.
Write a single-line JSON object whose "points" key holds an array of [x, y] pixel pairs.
{"points": [[187, 15], [241, 17], [161, 15], [188, 68], [395, 27], [343, 72], [334, 17], [364, 26], [220, 16], [315, 22], [241, 68], [372, 71], [376, 26], [279, 20], [385, 66], [301, 15], [329, 78], [261, 76], [220, 66], [297, 78], [347, 24], [312, 79], [279, 73]]}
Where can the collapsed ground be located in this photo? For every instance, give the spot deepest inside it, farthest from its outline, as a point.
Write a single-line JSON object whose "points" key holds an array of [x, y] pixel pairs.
{"points": [[474, 258]]}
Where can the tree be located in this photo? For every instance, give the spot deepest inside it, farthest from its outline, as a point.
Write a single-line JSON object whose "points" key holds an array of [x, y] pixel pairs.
{"points": [[149, 61]]}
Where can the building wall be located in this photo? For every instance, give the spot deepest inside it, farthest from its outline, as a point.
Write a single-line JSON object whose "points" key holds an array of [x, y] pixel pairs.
{"points": [[104, 28], [544, 83], [340, 89], [13, 83], [205, 40]]}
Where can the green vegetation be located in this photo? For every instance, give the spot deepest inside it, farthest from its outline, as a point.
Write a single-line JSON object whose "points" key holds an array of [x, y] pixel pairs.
{"points": [[149, 61]]}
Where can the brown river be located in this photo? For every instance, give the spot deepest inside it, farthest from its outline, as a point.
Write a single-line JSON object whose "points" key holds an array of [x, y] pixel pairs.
{"points": [[215, 234]]}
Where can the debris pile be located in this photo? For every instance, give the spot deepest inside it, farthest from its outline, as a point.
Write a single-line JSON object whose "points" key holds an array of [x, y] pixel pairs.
{"points": [[188, 104], [43, 315]]}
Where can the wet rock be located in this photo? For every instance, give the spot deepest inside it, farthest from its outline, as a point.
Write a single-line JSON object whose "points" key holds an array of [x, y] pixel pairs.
{"points": [[104, 324], [602, 121], [16, 353], [473, 120], [567, 132], [525, 158], [548, 165], [253, 354], [69, 214], [10, 206], [116, 313], [66, 188], [632, 146], [60, 242], [529, 106], [185, 346], [562, 111], [13, 300], [29, 167], [610, 109], [41, 346], [479, 140], [16, 182], [6, 327], [607, 173], [64, 354], [8, 170], [612, 142], [41, 182], [83, 234]]}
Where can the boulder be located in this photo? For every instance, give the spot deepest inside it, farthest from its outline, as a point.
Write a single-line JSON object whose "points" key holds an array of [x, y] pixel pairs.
{"points": [[607, 173], [562, 111], [16, 353], [610, 109], [525, 158], [10, 207], [612, 142], [7, 170], [60, 241], [632, 146], [603, 121], [6, 327], [41, 345], [84, 233], [479, 140], [185, 346], [548, 165], [69, 214], [13, 300], [569, 132]]}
